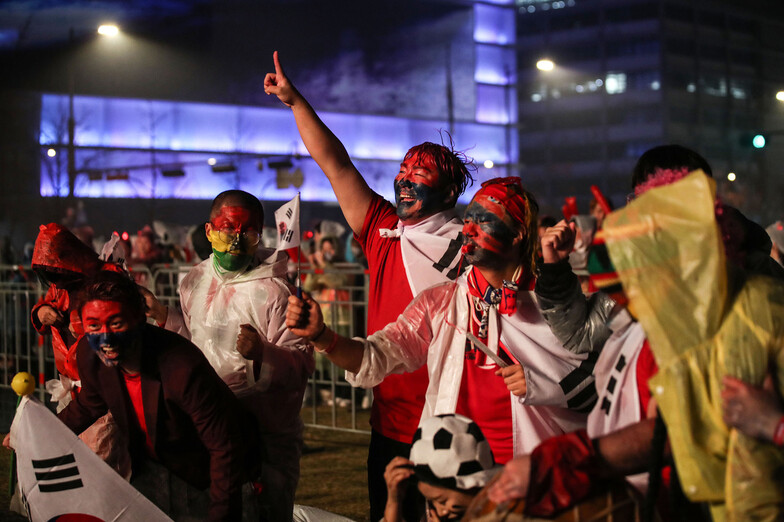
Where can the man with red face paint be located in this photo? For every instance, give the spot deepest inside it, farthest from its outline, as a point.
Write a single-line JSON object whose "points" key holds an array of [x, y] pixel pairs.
{"points": [[233, 307], [408, 249], [538, 389], [62, 262], [176, 412]]}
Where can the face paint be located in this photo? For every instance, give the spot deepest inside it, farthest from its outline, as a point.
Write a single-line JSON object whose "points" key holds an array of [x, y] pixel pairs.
{"points": [[419, 191], [231, 262], [109, 330], [233, 236], [487, 240]]}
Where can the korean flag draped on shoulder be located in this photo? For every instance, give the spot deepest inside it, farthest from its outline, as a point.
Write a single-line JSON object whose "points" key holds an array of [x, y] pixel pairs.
{"points": [[430, 249], [61, 479], [287, 223]]}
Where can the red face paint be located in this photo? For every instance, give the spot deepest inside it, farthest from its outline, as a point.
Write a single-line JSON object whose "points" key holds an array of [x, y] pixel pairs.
{"points": [[236, 218], [105, 316], [419, 191], [109, 330]]}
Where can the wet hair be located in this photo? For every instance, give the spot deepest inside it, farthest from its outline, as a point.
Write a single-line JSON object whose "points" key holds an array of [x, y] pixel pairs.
{"points": [[451, 163], [668, 157], [239, 198], [112, 286]]}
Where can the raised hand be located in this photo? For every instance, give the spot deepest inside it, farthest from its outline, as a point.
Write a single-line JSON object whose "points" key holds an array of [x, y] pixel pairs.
{"points": [[398, 470], [278, 84], [155, 309], [49, 316], [303, 316], [558, 241]]}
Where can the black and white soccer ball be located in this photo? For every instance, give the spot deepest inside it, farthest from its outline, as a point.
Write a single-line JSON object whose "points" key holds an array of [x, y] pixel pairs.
{"points": [[450, 450]]}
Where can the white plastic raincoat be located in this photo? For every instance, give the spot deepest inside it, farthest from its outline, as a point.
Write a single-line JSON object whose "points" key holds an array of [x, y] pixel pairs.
{"points": [[432, 330], [214, 305]]}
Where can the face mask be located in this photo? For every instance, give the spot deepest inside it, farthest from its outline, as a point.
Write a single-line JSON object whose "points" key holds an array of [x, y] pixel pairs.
{"points": [[121, 343]]}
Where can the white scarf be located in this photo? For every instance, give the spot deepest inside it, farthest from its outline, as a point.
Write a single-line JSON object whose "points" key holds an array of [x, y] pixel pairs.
{"points": [[430, 248]]}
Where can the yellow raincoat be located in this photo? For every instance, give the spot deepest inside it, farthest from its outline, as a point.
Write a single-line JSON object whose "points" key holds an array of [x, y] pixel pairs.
{"points": [[703, 321]]}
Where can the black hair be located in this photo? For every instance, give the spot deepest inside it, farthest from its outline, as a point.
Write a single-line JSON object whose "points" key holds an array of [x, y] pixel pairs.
{"points": [[667, 157], [453, 164], [112, 286]]}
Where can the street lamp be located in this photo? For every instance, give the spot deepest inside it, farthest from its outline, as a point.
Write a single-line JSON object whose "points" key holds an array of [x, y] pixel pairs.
{"points": [[780, 96], [545, 64], [108, 30], [105, 30]]}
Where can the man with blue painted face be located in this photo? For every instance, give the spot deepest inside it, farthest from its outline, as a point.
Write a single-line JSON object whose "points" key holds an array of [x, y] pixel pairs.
{"points": [[408, 248], [233, 308], [528, 387], [177, 413]]}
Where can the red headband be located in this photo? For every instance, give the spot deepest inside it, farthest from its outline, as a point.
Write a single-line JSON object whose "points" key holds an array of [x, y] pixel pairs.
{"points": [[506, 193]]}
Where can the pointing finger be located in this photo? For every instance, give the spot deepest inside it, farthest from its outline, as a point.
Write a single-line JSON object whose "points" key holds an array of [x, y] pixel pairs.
{"points": [[278, 68]]}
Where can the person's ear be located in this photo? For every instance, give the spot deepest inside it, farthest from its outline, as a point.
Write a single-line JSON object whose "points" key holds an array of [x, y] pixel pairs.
{"points": [[450, 200], [207, 229]]}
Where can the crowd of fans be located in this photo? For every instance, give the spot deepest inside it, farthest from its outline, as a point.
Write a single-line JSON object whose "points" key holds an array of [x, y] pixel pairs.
{"points": [[522, 365]]}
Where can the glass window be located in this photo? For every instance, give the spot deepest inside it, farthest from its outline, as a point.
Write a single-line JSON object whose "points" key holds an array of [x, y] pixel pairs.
{"points": [[495, 104], [494, 24], [495, 65]]}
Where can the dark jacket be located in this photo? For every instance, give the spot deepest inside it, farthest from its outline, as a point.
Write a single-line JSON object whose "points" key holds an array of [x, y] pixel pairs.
{"points": [[197, 426]]}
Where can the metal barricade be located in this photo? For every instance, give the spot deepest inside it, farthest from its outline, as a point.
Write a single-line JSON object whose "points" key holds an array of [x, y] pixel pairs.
{"points": [[21, 347], [331, 403]]}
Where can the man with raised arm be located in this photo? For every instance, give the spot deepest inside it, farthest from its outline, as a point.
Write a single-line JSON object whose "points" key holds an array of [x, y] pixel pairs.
{"points": [[408, 248]]}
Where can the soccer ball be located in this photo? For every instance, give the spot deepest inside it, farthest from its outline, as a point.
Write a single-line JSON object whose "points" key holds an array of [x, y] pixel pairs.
{"points": [[451, 451]]}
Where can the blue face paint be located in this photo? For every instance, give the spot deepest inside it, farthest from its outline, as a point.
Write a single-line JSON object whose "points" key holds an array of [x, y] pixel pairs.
{"points": [[118, 343], [419, 190], [416, 201]]}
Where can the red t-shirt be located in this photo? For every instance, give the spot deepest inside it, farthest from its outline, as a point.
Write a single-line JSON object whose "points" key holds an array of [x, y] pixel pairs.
{"points": [[485, 399], [133, 383], [399, 399]]}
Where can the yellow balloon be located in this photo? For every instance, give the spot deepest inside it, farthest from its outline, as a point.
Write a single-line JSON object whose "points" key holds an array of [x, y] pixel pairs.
{"points": [[23, 383]]}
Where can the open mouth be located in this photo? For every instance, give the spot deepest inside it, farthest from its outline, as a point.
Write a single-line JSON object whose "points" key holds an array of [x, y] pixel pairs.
{"points": [[468, 247], [109, 352], [406, 197]]}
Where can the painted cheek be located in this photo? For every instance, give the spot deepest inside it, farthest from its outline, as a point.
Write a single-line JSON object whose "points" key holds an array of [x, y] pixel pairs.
{"points": [[217, 243], [488, 242]]}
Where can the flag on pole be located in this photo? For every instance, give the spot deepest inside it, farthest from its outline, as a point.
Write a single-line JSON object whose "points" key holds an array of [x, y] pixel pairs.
{"points": [[61, 479], [287, 222]]}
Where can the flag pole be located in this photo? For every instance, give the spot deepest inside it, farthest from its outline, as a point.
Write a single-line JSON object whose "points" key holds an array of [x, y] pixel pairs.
{"points": [[23, 384], [298, 284]]}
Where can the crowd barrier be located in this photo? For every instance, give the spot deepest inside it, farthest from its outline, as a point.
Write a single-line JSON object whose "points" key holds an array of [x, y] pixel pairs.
{"points": [[330, 402]]}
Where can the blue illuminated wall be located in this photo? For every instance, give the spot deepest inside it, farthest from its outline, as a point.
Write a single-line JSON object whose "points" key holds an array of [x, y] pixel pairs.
{"points": [[123, 145]]}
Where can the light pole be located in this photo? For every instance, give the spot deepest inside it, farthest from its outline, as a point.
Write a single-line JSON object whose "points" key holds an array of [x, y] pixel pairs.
{"points": [[108, 30]]}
